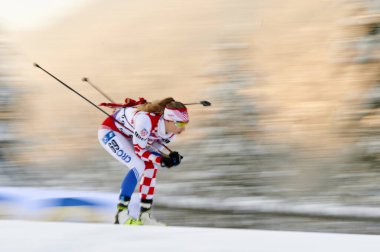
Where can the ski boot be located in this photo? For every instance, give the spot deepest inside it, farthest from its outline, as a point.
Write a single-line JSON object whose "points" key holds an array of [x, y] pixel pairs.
{"points": [[122, 207], [146, 219], [133, 222]]}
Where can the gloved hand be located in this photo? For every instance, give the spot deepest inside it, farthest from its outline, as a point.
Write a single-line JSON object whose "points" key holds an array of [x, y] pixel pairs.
{"points": [[174, 159]]}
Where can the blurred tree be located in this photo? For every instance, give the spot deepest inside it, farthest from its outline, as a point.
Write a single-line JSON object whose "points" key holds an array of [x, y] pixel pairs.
{"points": [[7, 116]]}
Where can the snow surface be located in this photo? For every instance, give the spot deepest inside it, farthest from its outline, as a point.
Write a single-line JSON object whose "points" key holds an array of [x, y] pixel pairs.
{"points": [[19, 236]]}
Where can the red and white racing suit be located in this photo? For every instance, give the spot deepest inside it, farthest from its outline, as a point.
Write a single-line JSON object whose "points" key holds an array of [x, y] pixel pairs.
{"points": [[136, 145]]}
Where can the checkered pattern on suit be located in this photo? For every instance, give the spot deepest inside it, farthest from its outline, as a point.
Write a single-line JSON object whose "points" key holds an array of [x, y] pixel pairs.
{"points": [[148, 181]]}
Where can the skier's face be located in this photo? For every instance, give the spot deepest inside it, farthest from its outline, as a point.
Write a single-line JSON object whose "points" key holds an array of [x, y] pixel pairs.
{"points": [[174, 127]]}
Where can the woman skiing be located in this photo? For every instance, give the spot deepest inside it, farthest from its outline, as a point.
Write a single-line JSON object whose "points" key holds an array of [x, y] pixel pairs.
{"points": [[135, 135]]}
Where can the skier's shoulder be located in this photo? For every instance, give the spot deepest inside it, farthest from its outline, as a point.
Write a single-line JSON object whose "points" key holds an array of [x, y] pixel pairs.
{"points": [[130, 110], [146, 120], [146, 117]]}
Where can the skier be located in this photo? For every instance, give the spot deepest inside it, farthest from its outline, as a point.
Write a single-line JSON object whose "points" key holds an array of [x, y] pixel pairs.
{"points": [[135, 135]]}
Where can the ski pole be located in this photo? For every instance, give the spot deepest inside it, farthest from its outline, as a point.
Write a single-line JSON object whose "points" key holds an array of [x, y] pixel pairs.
{"points": [[204, 103], [70, 88], [85, 79], [73, 90]]}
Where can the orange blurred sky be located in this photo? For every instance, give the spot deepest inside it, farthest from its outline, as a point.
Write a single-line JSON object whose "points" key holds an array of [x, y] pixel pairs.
{"points": [[28, 15]]}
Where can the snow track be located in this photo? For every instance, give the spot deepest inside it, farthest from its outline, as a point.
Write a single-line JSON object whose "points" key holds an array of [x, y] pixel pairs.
{"points": [[28, 236]]}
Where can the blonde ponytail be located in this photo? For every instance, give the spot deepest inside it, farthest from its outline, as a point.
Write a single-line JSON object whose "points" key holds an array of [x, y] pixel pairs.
{"points": [[156, 107]]}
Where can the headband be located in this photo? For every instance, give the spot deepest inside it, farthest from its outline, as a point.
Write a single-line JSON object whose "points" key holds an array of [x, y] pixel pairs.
{"points": [[176, 114]]}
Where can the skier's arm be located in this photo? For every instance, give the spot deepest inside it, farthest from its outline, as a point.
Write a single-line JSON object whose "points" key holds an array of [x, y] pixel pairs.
{"points": [[142, 131], [159, 144]]}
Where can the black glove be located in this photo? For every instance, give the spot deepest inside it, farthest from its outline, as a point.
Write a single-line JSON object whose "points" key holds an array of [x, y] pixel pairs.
{"points": [[174, 159]]}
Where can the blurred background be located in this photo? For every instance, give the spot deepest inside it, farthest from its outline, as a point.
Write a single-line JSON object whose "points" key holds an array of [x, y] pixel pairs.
{"points": [[292, 141]]}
